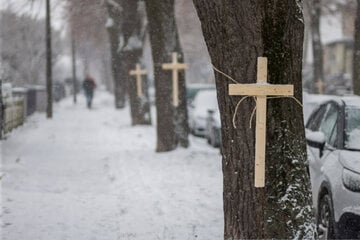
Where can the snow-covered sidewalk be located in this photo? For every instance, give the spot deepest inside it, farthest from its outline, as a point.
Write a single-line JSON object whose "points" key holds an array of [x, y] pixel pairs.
{"points": [[90, 175]]}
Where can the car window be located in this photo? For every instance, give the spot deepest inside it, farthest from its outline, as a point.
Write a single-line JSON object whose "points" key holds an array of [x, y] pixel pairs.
{"points": [[333, 141], [329, 123], [316, 118], [352, 128]]}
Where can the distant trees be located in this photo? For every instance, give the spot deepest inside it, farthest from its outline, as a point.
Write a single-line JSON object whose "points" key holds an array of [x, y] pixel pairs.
{"points": [[23, 48], [315, 11], [113, 24], [87, 19], [314, 8], [236, 33]]}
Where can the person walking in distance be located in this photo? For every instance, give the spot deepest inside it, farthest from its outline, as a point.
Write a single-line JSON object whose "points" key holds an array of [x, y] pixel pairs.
{"points": [[89, 86]]}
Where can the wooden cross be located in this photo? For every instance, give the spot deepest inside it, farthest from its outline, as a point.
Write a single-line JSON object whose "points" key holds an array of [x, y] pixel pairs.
{"points": [[320, 86], [175, 67], [261, 90], [138, 72]]}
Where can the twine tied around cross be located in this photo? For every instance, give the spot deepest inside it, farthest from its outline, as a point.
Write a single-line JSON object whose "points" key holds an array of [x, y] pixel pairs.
{"points": [[247, 96]]}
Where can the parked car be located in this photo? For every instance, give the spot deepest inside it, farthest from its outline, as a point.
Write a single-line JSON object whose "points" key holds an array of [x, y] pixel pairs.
{"points": [[213, 127], [198, 112], [312, 101], [333, 137], [193, 89]]}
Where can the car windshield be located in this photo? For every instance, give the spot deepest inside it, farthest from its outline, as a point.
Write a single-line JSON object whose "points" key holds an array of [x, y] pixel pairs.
{"points": [[352, 128]]}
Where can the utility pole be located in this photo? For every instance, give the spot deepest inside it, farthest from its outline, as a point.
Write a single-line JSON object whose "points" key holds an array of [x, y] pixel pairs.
{"points": [[1, 111], [49, 107], [73, 53]]}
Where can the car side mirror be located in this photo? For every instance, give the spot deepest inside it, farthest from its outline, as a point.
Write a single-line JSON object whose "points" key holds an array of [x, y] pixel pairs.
{"points": [[316, 140]]}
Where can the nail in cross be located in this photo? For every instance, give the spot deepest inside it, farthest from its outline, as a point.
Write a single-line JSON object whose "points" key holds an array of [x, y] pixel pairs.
{"points": [[175, 67], [261, 90]]}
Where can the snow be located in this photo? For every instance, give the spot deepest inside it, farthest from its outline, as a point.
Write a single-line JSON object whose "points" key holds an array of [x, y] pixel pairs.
{"points": [[317, 137], [90, 175], [109, 22]]}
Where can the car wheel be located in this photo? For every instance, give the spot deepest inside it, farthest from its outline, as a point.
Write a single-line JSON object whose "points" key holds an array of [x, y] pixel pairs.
{"points": [[208, 140], [325, 223]]}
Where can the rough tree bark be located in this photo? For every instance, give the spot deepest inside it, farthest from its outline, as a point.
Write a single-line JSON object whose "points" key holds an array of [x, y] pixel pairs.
{"points": [[131, 51], [356, 66], [114, 31], [236, 33], [318, 62], [172, 123]]}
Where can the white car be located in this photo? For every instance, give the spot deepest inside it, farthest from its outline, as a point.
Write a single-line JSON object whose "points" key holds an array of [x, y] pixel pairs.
{"points": [[333, 137], [312, 101], [213, 128], [199, 109]]}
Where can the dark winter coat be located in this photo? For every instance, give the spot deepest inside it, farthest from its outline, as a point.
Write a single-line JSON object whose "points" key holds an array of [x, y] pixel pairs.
{"points": [[89, 85]]}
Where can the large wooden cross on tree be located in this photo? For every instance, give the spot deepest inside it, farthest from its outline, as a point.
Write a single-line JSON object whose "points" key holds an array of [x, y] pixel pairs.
{"points": [[261, 90], [175, 66], [138, 72]]}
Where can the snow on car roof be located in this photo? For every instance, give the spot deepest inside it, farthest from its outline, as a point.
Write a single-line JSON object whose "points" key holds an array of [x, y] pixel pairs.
{"points": [[352, 101], [206, 98], [317, 98]]}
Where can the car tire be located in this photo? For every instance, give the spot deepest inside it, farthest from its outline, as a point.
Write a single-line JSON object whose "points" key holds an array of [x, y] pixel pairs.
{"points": [[325, 220], [208, 139]]}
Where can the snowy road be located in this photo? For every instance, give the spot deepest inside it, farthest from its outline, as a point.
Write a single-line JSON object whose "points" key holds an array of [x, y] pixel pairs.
{"points": [[89, 175]]}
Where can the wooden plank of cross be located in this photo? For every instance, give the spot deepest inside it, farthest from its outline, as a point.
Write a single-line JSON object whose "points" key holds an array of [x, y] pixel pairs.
{"points": [[138, 72], [320, 86], [261, 90], [175, 66]]}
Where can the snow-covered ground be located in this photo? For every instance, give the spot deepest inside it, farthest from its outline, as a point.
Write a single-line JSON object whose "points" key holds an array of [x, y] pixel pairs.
{"points": [[90, 175]]}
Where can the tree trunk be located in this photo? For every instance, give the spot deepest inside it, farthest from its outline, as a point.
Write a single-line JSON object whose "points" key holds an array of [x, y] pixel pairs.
{"points": [[172, 125], [236, 33], [140, 106], [114, 37], [356, 66], [49, 106], [106, 66], [133, 35], [318, 72]]}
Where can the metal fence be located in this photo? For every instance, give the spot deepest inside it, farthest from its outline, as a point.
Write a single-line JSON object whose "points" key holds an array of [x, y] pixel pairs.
{"points": [[14, 113]]}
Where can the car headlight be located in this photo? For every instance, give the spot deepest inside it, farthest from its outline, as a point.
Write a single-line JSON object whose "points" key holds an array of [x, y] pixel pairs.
{"points": [[351, 180]]}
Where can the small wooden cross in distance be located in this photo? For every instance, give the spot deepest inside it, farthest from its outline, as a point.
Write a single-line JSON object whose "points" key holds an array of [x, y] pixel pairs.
{"points": [[320, 86], [175, 67], [261, 90], [138, 72]]}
